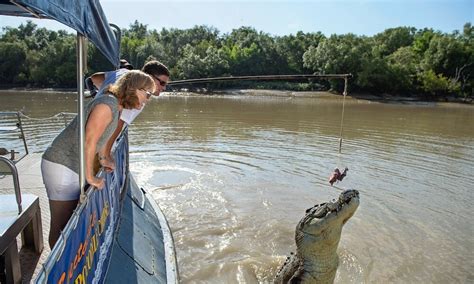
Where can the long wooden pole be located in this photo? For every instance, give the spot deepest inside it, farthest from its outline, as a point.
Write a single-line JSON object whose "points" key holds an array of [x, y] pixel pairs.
{"points": [[260, 78]]}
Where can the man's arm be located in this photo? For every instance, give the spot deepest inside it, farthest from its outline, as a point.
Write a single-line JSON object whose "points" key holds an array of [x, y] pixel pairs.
{"points": [[94, 82], [98, 79]]}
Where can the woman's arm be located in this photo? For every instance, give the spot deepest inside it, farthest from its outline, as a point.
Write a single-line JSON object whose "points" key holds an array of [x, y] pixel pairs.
{"points": [[105, 158], [99, 118]]}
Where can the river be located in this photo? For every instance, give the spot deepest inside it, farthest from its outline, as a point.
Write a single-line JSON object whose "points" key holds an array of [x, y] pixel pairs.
{"points": [[234, 175]]}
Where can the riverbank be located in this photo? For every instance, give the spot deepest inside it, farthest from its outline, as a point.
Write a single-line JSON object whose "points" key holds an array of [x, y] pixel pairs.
{"points": [[383, 98]]}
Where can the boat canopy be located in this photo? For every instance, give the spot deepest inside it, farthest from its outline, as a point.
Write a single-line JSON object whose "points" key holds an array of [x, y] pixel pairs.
{"points": [[84, 16]]}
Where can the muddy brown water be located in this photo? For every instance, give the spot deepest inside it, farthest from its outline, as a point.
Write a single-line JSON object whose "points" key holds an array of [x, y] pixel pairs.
{"points": [[234, 175]]}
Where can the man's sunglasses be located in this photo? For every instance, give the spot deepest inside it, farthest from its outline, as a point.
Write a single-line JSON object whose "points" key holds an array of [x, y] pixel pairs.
{"points": [[162, 83]]}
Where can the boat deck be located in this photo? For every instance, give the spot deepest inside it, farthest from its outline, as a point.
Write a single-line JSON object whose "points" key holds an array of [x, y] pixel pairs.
{"points": [[29, 171]]}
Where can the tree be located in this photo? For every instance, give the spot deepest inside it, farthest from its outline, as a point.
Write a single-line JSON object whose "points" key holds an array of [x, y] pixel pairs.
{"points": [[338, 54], [292, 48], [436, 84], [12, 70], [216, 62], [56, 64], [422, 40], [403, 67], [190, 64], [451, 57], [252, 53], [175, 40], [444, 55], [391, 40]]}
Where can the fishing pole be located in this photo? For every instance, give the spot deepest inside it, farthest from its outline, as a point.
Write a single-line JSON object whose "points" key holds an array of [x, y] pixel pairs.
{"points": [[260, 78]]}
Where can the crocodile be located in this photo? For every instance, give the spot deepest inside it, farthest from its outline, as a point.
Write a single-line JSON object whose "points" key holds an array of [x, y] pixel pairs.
{"points": [[317, 237]]}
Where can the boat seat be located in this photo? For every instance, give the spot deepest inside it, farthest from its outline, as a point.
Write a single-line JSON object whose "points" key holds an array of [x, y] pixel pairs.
{"points": [[18, 215]]}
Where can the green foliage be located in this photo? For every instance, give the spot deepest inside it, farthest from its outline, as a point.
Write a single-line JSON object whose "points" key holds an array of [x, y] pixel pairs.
{"points": [[338, 54], [437, 84], [391, 40], [374, 76], [12, 70], [402, 65], [56, 64], [399, 60], [422, 40], [291, 48], [444, 55], [252, 53]]}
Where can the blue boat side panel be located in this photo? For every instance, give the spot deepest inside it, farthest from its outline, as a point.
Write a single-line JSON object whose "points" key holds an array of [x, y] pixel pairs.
{"points": [[139, 244]]}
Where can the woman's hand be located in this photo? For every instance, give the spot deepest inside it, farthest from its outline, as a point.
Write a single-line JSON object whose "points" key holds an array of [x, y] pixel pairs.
{"points": [[108, 163], [99, 183]]}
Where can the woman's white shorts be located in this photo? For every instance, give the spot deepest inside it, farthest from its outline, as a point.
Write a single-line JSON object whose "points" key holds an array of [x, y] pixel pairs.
{"points": [[61, 182]]}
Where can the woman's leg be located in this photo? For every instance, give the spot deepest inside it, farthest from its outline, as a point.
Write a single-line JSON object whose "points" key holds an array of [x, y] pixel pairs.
{"points": [[62, 186], [61, 211]]}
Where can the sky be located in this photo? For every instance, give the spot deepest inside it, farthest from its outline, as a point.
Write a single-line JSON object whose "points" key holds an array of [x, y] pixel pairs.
{"points": [[284, 17]]}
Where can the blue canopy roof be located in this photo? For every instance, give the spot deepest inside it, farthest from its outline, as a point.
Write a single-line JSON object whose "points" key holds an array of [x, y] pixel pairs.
{"points": [[84, 16]]}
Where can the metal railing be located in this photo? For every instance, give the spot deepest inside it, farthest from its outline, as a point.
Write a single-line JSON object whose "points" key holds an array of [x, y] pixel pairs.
{"points": [[18, 127], [7, 167]]}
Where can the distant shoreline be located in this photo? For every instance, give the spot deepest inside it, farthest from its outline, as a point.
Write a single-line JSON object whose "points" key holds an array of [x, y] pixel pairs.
{"points": [[263, 93]]}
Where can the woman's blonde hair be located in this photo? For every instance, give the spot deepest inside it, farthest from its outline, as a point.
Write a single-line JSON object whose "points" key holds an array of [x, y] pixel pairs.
{"points": [[126, 86]]}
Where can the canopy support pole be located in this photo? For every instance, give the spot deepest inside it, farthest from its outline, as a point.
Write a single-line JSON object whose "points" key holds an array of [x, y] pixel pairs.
{"points": [[80, 112]]}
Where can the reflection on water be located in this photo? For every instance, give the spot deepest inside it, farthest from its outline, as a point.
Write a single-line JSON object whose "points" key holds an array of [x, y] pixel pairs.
{"points": [[235, 174]]}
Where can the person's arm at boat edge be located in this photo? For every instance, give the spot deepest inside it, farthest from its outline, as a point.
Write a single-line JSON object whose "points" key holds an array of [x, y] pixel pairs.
{"points": [[105, 158], [100, 117]]}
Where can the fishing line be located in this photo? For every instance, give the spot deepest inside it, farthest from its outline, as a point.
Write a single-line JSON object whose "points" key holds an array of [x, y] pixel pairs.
{"points": [[337, 175], [342, 114]]}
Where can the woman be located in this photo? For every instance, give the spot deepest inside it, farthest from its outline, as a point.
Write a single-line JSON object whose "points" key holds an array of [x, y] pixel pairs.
{"points": [[60, 163]]}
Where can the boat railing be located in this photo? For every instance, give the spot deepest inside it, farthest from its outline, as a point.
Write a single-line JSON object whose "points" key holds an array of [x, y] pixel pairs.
{"points": [[7, 165], [83, 250], [13, 118], [27, 221]]}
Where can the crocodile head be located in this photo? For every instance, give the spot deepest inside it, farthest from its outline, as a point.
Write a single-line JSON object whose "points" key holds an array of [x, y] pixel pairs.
{"points": [[328, 215]]}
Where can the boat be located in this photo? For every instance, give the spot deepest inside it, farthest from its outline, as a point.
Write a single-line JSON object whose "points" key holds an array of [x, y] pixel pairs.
{"points": [[118, 234]]}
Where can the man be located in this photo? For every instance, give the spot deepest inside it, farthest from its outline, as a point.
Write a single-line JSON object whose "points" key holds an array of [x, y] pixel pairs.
{"points": [[101, 80]]}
